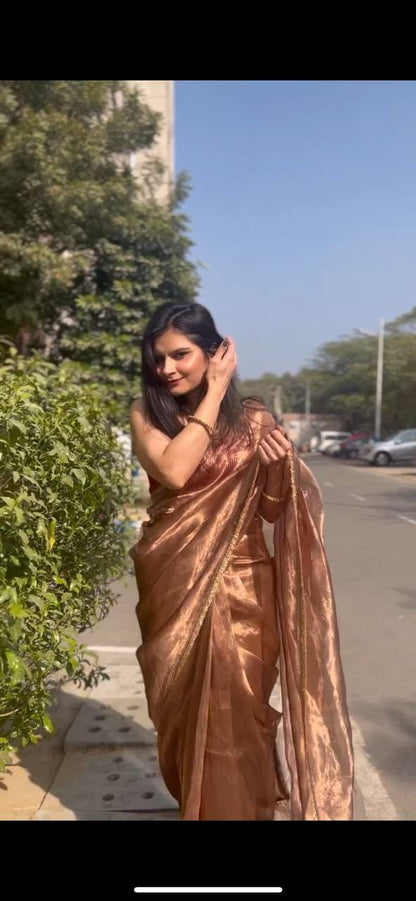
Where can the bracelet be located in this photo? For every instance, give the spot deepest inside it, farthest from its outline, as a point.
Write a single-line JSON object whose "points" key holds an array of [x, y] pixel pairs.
{"points": [[208, 428], [276, 500]]}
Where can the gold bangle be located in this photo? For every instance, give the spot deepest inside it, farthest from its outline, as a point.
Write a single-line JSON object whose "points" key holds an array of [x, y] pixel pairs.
{"points": [[276, 500], [208, 428]]}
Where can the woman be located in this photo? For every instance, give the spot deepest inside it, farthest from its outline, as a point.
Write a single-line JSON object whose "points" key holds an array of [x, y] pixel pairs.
{"points": [[216, 611]]}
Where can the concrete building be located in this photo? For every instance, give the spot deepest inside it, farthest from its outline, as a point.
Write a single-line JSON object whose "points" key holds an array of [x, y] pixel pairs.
{"points": [[302, 426], [159, 95]]}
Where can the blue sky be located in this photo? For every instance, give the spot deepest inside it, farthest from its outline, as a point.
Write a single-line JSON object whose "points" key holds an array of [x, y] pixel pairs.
{"points": [[303, 206]]}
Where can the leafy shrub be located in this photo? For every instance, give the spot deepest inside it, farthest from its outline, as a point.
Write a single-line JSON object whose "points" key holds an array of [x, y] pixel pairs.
{"points": [[62, 538]]}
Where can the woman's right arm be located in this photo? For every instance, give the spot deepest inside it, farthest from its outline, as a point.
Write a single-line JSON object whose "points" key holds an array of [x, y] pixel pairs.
{"points": [[172, 461]]}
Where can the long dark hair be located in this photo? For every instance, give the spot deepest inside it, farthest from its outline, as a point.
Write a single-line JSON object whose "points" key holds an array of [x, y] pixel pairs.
{"points": [[160, 408]]}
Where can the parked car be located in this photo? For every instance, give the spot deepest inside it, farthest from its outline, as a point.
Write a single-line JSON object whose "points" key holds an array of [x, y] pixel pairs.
{"points": [[400, 447], [328, 438], [347, 447], [332, 449], [350, 447]]}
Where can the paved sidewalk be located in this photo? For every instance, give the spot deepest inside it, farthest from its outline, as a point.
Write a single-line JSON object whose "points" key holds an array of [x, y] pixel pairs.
{"points": [[26, 781], [101, 763]]}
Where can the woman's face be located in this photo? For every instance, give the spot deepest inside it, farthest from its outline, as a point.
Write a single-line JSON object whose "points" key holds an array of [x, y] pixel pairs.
{"points": [[180, 363]]}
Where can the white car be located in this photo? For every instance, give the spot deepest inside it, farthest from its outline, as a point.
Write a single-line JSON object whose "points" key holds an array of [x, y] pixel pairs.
{"points": [[333, 449], [328, 438]]}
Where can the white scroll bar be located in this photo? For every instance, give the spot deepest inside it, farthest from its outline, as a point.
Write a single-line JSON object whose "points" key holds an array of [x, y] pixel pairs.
{"points": [[207, 890]]}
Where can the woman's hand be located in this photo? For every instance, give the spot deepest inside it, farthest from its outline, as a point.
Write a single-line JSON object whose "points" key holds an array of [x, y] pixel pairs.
{"points": [[222, 366], [274, 446]]}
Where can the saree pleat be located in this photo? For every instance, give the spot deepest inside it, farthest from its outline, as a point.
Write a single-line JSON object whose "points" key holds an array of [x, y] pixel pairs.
{"points": [[218, 615]]}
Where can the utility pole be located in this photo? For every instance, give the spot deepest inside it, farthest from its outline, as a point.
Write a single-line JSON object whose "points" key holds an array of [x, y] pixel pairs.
{"points": [[379, 380], [379, 385], [307, 401], [277, 402]]}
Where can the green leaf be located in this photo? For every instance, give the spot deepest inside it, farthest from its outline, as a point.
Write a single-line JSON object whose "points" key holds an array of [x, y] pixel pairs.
{"points": [[72, 665], [18, 668], [9, 501], [84, 423], [58, 450], [35, 599], [30, 553], [47, 723], [51, 533], [19, 515], [20, 582], [67, 480], [18, 425], [15, 630], [80, 474], [18, 611], [31, 478]]}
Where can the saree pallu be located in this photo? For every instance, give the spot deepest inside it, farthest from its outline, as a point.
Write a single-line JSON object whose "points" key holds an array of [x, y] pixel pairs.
{"points": [[218, 615]]}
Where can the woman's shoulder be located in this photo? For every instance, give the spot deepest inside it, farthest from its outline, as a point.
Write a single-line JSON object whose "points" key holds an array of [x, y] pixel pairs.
{"points": [[137, 404], [138, 413], [138, 420]]}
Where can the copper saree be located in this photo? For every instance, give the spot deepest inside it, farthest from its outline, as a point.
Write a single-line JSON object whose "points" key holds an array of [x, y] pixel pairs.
{"points": [[218, 614]]}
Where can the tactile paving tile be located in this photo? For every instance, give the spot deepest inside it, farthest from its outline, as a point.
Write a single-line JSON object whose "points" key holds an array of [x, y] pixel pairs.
{"points": [[118, 760], [113, 723], [104, 780], [126, 681]]}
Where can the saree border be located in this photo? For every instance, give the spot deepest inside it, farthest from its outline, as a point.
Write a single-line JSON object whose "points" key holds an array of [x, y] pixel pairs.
{"points": [[301, 620], [207, 600]]}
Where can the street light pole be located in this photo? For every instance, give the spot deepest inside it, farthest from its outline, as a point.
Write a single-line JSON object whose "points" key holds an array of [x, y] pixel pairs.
{"points": [[379, 385], [379, 382]]}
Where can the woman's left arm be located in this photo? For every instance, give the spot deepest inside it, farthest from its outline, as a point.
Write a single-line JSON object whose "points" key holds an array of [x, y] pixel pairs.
{"points": [[272, 450]]}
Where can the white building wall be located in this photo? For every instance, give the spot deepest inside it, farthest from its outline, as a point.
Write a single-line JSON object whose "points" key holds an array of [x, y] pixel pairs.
{"points": [[159, 95]]}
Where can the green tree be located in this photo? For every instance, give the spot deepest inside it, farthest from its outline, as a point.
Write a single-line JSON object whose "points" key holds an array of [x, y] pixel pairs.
{"points": [[263, 387], [292, 390], [86, 252], [343, 377]]}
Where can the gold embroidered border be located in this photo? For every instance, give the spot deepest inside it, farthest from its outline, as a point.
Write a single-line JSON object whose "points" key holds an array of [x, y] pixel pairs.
{"points": [[276, 500], [201, 613], [301, 620]]}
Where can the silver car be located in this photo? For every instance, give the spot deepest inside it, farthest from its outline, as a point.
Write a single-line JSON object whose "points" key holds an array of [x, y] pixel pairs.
{"points": [[400, 447]]}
